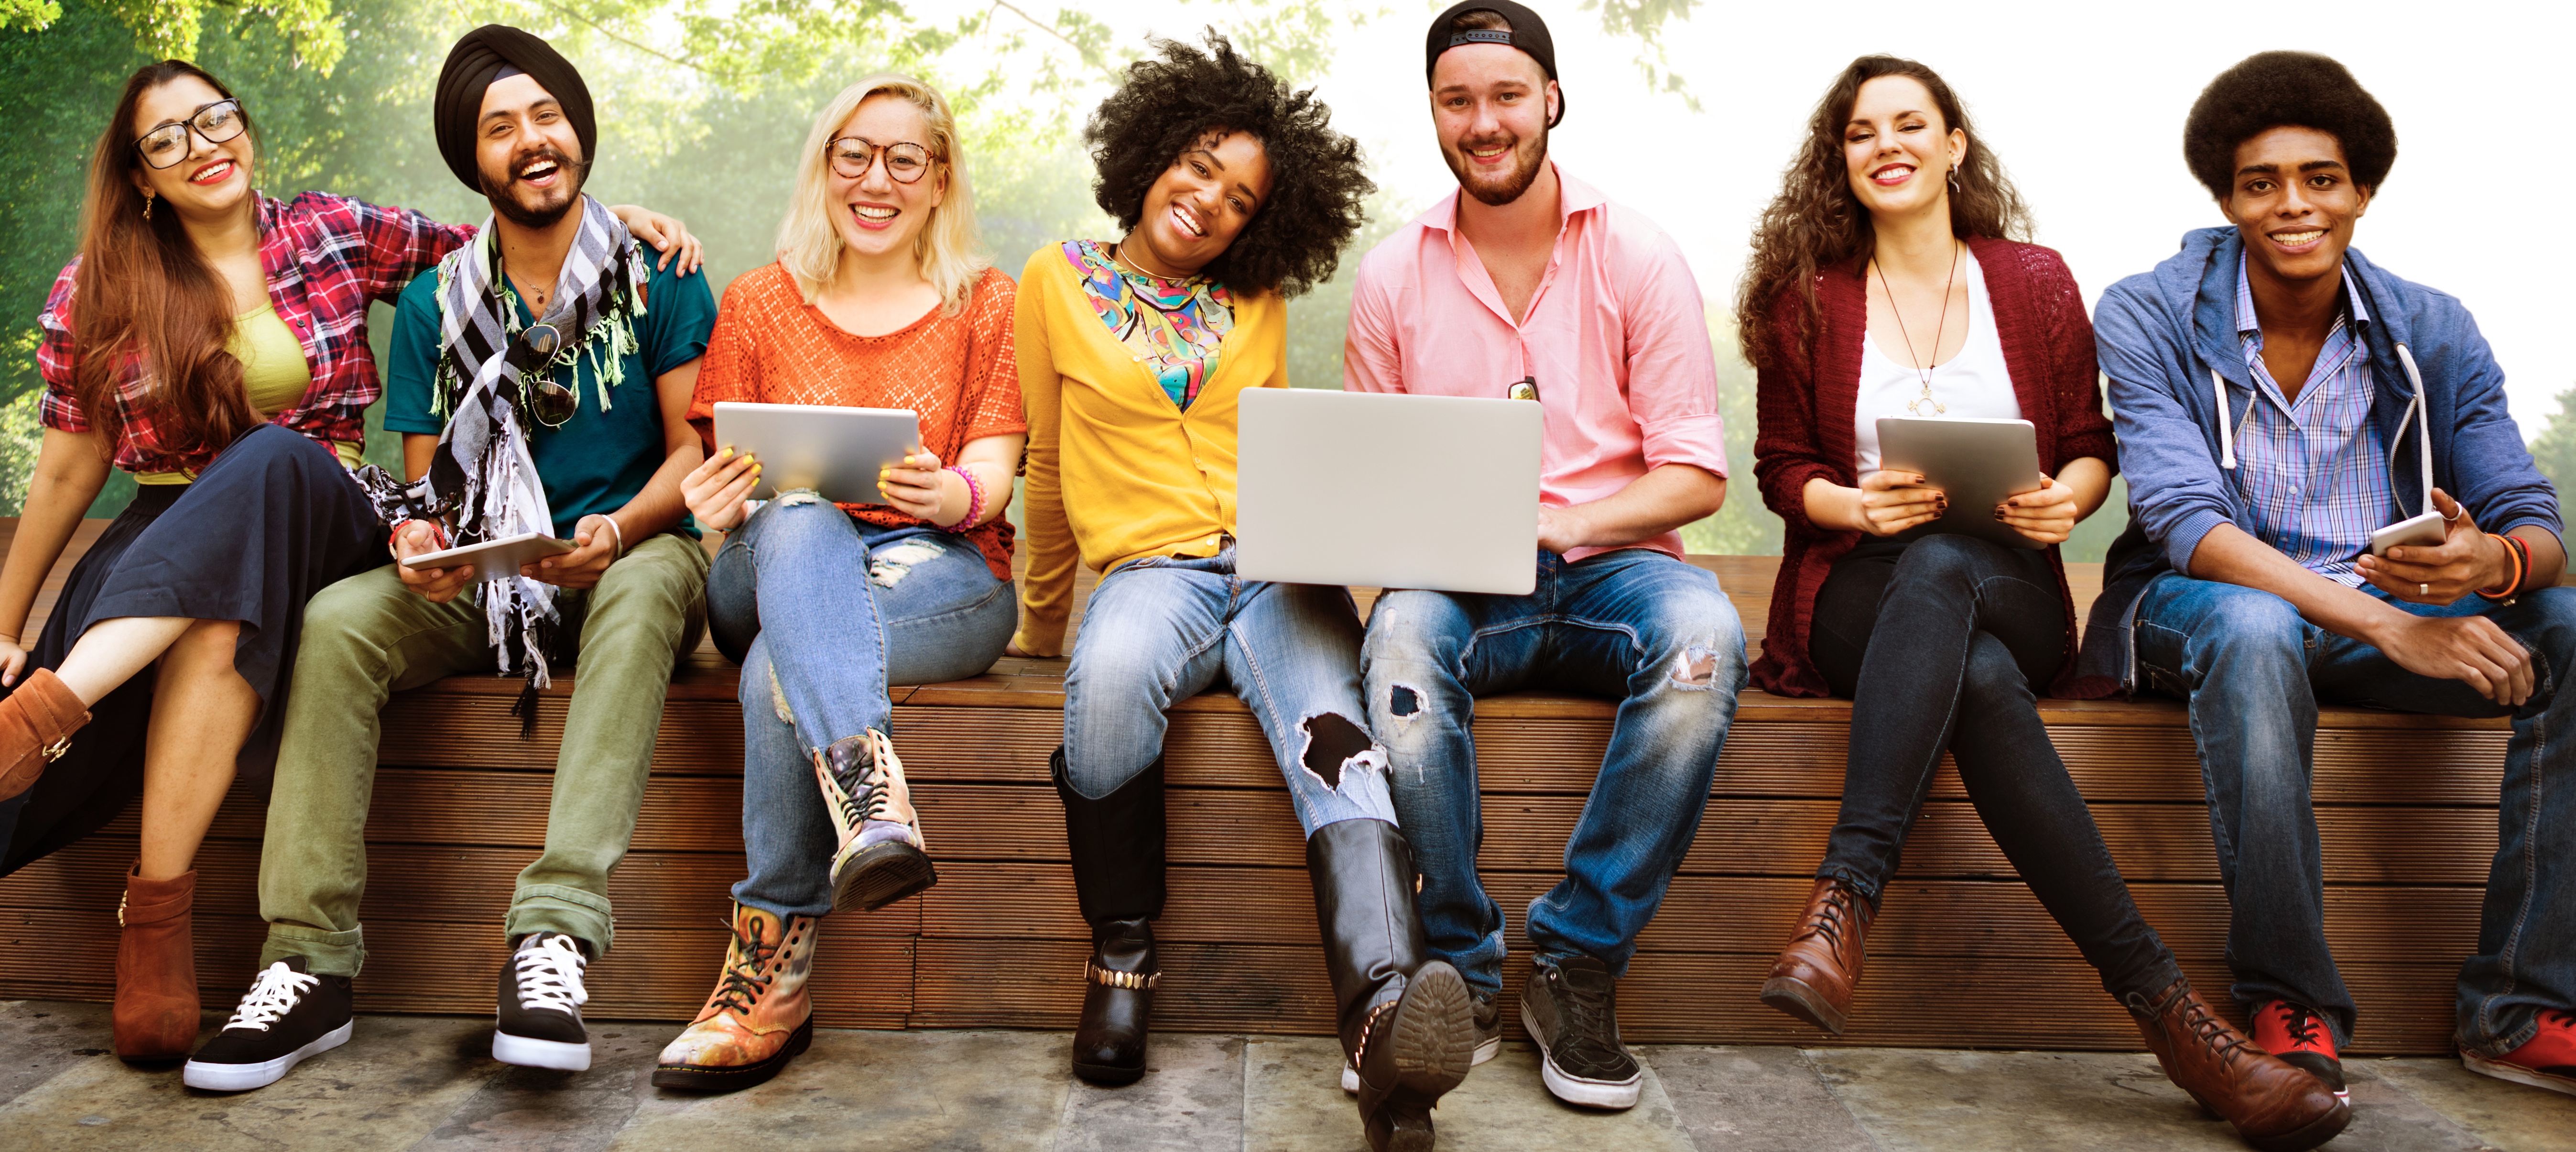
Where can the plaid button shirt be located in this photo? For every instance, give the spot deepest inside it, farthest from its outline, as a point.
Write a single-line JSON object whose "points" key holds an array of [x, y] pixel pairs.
{"points": [[2314, 470], [326, 256]]}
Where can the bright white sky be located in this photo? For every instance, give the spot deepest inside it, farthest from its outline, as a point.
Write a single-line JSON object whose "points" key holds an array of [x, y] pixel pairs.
{"points": [[2085, 106]]}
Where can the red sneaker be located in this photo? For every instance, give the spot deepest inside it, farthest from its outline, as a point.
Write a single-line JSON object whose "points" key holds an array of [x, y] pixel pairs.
{"points": [[2547, 1060], [2299, 1036]]}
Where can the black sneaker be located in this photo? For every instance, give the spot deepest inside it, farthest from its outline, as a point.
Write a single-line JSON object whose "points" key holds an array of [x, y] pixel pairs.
{"points": [[1572, 1010], [287, 1015], [1489, 1039], [541, 997]]}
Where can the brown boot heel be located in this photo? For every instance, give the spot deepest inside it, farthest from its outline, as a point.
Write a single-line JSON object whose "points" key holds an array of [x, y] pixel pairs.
{"points": [[155, 1017]]}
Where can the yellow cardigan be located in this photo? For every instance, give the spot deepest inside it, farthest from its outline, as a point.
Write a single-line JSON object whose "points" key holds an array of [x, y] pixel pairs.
{"points": [[1115, 470]]}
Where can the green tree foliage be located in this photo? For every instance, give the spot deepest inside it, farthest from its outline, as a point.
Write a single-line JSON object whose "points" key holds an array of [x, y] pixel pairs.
{"points": [[2554, 450]]}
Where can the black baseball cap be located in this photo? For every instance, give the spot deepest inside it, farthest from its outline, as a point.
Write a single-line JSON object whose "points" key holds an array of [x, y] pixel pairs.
{"points": [[1528, 33]]}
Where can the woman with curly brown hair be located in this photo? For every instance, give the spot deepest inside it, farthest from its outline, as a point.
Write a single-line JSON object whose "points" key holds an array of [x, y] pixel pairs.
{"points": [[1235, 193], [1888, 279]]}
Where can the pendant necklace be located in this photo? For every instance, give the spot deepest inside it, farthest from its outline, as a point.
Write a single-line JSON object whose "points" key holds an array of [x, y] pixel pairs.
{"points": [[1918, 405]]}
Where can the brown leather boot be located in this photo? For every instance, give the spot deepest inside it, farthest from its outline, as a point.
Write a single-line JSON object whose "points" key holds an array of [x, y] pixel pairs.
{"points": [[155, 1017], [1814, 976], [36, 725], [2274, 1105]]}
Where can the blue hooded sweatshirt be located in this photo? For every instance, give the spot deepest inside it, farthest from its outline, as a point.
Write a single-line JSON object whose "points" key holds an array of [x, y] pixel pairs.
{"points": [[2161, 333]]}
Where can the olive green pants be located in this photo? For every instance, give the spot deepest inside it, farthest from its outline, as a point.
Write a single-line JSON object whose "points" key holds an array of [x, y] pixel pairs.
{"points": [[367, 637]]}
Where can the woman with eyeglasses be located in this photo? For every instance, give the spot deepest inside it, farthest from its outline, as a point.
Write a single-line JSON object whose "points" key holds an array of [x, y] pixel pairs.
{"points": [[1890, 278], [211, 341], [879, 299]]}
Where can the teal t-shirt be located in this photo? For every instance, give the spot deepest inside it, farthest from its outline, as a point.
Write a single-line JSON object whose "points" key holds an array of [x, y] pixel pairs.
{"points": [[598, 460]]}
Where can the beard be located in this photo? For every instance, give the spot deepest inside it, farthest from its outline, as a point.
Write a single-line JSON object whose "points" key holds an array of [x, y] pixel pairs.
{"points": [[1528, 156], [544, 213]]}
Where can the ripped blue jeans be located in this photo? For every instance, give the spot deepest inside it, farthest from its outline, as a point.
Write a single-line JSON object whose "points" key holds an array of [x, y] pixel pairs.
{"points": [[1162, 629], [1636, 626], [823, 610]]}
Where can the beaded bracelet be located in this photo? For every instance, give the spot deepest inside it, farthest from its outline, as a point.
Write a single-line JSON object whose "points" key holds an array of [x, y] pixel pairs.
{"points": [[2518, 552], [974, 501]]}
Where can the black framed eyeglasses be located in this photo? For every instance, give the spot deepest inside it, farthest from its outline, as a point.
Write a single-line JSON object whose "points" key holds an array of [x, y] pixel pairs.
{"points": [[852, 156], [167, 145], [550, 402]]}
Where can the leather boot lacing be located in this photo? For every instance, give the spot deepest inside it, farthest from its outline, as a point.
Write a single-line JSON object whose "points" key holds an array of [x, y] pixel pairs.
{"points": [[1839, 910], [746, 974]]}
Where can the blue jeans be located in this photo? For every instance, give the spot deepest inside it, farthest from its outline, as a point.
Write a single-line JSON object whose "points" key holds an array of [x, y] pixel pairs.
{"points": [[823, 611], [2254, 672], [1162, 629], [1634, 625]]}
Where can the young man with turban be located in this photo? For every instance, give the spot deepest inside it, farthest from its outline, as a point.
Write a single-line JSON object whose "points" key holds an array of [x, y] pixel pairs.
{"points": [[541, 377]]}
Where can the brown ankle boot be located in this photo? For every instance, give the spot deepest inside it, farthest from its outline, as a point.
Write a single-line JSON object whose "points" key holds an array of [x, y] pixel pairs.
{"points": [[156, 969], [2274, 1105], [1814, 976], [36, 724]]}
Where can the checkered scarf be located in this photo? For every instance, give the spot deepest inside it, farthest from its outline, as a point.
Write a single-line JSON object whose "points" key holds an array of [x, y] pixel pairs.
{"points": [[483, 481]]}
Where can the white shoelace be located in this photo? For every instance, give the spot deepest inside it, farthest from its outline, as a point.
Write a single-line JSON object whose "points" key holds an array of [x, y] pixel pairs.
{"points": [[274, 994], [549, 966]]}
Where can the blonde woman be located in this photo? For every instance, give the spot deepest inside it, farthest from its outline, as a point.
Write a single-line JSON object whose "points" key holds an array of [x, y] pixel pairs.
{"points": [[878, 300]]}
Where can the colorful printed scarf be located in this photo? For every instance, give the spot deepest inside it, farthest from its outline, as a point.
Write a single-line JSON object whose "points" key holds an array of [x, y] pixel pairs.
{"points": [[1172, 327]]}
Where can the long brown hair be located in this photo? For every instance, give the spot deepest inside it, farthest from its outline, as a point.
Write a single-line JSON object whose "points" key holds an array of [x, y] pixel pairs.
{"points": [[143, 290], [1816, 221]]}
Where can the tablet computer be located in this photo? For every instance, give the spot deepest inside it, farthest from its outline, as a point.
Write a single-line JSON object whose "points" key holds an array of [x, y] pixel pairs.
{"points": [[494, 557], [831, 449], [1977, 462]]}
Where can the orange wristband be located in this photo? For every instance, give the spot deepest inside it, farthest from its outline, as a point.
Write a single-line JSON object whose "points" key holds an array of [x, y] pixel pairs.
{"points": [[2521, 564]]}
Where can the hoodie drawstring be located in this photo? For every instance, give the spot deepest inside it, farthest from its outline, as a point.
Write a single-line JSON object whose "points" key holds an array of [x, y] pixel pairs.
{"points": [[2226, 434], [2422, 410]]}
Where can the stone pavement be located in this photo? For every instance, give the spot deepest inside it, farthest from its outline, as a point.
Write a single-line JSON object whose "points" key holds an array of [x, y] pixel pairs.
{"points": [[429, 1083]]}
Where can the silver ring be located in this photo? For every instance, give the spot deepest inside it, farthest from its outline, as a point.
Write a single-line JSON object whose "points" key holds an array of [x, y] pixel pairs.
{"points": [[2423, 589]]}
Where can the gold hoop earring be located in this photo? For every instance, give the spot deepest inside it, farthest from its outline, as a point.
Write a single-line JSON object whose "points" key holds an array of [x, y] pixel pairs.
{"points": [[147, 205]]}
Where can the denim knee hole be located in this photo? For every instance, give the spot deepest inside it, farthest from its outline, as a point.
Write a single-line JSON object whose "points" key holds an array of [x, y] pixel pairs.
{"points": [[888, 568]]}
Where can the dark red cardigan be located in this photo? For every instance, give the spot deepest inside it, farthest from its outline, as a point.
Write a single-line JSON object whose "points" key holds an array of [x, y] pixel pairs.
{"points": [[1805, 402]]}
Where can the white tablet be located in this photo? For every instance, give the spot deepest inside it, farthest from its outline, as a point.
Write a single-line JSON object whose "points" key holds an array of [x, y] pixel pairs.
{"points": [[1977, 462], [494, 557], [831, 449]]}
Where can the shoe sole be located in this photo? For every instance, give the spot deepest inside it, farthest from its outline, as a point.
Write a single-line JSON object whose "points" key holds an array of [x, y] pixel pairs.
{"points": [[244, 1077], [708, 1078], [2317, 1131], [1435, 1035], [1486, 1050], [1614, 1095], [881, 874], [528, 1052], [1107, 1075], [1793, 996], [2517, 1074]]}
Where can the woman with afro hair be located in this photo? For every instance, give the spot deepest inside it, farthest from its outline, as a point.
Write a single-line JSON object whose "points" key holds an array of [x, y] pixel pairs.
{"points": [[1234, 193]]}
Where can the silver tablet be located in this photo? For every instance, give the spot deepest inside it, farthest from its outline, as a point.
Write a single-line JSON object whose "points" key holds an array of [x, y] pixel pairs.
{"points": [[494, 557], [833, 450], [1977, 462]]}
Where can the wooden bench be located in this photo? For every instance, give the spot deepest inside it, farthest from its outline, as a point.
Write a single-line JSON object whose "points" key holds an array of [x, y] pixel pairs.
{"points": [[1961, 957]]}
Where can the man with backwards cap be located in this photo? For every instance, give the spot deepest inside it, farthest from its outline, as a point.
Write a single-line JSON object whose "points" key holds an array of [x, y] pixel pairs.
{"points": [[1531, 285], [540, 377]]}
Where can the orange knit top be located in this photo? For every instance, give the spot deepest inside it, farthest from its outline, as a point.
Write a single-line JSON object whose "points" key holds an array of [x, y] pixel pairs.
{"points": [[959, 372]]}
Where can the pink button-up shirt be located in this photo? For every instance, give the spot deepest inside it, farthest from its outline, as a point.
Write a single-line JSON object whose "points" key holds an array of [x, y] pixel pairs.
{"points": [[1616, 337]]}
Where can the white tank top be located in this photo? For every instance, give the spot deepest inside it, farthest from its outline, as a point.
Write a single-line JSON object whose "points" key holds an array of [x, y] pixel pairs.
{"points": [[1973, 383]]}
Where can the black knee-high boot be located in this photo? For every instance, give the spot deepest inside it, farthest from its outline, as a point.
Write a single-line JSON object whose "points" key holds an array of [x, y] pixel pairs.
{"points": [[1117, 843], [1407, 1023]]}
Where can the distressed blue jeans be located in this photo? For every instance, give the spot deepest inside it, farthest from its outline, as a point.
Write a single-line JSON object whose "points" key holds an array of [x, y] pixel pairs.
{"points": [[822, 611], [1635, 625], [2254, 672], [1164, 628]]}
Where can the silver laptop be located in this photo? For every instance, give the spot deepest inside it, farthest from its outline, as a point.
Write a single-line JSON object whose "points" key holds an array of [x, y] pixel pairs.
{"points": [[1437, 492]]}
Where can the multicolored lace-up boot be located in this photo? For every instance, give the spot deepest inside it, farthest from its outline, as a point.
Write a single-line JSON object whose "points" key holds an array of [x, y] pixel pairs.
{"points": [[882, 857], [758, 1018]]}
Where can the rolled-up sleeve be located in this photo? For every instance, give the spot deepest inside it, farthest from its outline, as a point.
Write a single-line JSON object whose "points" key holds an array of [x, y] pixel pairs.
{"points": [[60, 409], [1672, 375]]}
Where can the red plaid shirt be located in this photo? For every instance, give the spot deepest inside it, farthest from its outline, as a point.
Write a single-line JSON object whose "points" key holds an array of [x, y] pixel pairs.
{"points": [[326, 256]]}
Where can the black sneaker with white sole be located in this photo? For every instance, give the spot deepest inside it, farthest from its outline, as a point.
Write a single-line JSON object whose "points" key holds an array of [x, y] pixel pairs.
{"points": [[1489, 1039], [1571, 1009], [287, 1015], [541, 995]]}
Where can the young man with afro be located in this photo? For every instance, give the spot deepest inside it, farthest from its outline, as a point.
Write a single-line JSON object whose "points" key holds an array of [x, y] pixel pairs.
{"points": [[2280, 399]]}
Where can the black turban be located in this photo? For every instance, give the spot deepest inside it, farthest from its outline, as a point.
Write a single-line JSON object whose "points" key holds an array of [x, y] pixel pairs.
{"points": [[480, 58]]}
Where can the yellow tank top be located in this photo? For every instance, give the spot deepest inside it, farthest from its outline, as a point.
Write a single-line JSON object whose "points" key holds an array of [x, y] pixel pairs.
{"points": [[273, 372]]}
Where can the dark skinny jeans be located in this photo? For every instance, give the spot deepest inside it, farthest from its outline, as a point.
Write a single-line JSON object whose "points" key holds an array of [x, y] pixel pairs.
{"points": [[1937, 642]]}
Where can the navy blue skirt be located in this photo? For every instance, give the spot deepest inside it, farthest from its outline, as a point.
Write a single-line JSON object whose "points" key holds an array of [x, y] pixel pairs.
{"points": [[271, 521]]}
